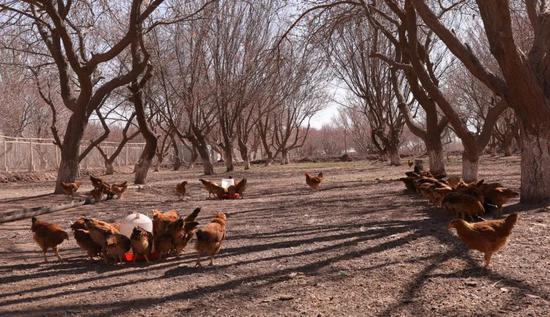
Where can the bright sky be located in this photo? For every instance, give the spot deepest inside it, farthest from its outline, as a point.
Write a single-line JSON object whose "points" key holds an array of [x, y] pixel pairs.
{"points": [[338, 92]]}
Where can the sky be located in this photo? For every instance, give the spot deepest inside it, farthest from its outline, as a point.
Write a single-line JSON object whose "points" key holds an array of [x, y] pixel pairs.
{"points": [[338, 93]]}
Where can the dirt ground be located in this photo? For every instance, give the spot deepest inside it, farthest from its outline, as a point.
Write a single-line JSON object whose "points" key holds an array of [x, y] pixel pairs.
{"points": [[359, 247]]}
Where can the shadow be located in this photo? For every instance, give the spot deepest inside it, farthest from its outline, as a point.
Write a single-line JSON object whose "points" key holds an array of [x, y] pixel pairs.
{"points": [[350, 227]]}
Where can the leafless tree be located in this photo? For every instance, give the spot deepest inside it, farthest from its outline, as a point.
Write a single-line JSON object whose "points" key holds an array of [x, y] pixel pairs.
{"points": [[524, 80], [369, 80], [74, 40]]}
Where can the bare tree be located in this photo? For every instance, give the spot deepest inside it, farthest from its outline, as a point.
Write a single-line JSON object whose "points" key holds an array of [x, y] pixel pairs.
{"points": [[68, 31], [367, 78], [524, 84]]}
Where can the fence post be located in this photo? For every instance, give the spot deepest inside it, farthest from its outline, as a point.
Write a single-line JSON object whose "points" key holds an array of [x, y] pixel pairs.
{"points": [[56, 149], [5, 155], [31, 155]]}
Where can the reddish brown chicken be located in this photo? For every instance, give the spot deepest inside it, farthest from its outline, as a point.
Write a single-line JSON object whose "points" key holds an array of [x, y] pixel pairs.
{"points": [[48, 236], [210, 238], [70, 188], [314, 181], [486, 236]]}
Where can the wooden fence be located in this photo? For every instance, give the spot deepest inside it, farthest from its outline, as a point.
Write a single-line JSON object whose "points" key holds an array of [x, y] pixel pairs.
{"points": [[36, 154]]}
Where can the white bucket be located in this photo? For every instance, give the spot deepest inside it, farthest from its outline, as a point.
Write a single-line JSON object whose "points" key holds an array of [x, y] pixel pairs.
{"points": [[135, 220], [226, 182]]}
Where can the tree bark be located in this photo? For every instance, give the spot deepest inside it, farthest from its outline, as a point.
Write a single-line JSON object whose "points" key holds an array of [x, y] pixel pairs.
{"points": [[109, 168], [470, 165], [535, 167], [285, 159], [393, 154], [245, 155], [177, 159], [69, 165], [228, 156], [144, 163]]}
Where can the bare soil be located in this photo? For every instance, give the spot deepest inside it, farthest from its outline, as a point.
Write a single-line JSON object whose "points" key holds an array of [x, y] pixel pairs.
{"points": [[361, 246]]}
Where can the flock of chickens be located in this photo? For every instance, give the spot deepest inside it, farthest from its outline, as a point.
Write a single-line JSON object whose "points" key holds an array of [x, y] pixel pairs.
{"points": [[172, 232], [468, 200], [170, 236]]}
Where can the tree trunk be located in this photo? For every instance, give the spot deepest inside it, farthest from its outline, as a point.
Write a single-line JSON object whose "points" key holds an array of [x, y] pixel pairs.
{"points": [[208, 168], [393, 154], [177, 160], [228, 157], [285, 157], [194, 156], [436, 160], [535, 167], [109, 168], [68, 167], [245, 155], [470, 166], [144, 163]]}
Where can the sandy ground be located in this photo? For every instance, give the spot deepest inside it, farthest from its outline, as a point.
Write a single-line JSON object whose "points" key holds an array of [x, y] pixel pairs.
{"points": [[359, 247]]}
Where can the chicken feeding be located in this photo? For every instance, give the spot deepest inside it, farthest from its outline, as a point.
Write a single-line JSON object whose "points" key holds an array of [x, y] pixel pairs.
{"points": [[314, 181], [213, 188], [70, 188], [180, 188], [100, 230], [142, 243], [498, 196], [463, 205], [210, 238], [487, 236], [119, 189], [48, 236], [84, 240], [116, 245], [162, 219]]}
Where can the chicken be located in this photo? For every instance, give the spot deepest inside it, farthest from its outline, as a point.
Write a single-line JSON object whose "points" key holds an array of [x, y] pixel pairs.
{"points": [[70, 188], [181, 232], [192, 216], [498, 196], [454, 181], [48, 236], [486, 236], [119, 189], [100, 230], [314, 181], [180, 188], [241, 187], [164, 244], [84, 240], [162, 219], [97, 182], [213, 188], [116, 245], [142, 242], [463, 205], [409, 182], [97, 194], [210, 238]]}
